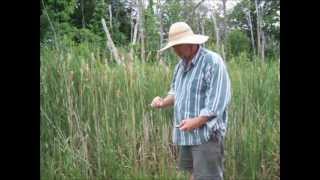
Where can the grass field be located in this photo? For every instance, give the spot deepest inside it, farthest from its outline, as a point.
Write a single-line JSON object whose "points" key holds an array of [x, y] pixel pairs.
{"points": [[96, 122]]}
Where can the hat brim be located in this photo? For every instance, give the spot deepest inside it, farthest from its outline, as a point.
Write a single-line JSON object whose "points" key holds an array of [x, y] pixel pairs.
{"points": [[193, 39]]}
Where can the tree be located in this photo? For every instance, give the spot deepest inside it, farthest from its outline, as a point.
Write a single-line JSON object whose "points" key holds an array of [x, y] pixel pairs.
{"points": [[267, 30], [141, 28], [237, 42], [152, 34], [159, 15], [121, 13], [172, 12], [58, 15], [224, 19], [100, 11]]}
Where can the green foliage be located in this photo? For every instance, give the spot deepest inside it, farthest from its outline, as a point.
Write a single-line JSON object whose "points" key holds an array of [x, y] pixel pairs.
{"points": [[271, 19], [68, 18], [121, 22], [81, 21], [172, 12], [237, 18], [273, 50], [65, 28], [60, 10], [210, 31], [83, 12], [44, 26], [152, 37], [237, 42], [99, 13], [271, 22], [120, 37], [84, 35]]}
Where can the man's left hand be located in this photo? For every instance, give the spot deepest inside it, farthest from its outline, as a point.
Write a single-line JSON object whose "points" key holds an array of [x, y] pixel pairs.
{"points": [[192, 123]]}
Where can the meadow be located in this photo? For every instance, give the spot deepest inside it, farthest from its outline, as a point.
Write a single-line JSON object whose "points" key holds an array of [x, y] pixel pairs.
{"points": [[96, 120]]}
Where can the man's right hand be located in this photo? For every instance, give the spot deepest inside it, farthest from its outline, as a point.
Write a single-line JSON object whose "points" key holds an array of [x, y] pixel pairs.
{"points": [[157, 102]]}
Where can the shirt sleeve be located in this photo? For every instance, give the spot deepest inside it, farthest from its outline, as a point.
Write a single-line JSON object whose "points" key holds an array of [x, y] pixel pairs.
{"points": [[172, 88], [217, 95]]}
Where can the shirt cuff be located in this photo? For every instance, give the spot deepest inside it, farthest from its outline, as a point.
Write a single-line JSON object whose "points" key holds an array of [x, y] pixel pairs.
{"points": [[207, 113], [211, 123], [212, 118]]}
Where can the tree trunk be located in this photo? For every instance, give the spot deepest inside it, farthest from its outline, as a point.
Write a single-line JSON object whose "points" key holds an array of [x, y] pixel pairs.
{"points": [[191, 14], [82, 14], [110, 15], [131, 36], [202, 26], [141, 28], [201, 20], [134, 38], [131, 28], [135, 32], [251, 32], [224, 29], [134, 25], [160, 23], [110, 44], [223, 52], [159, 15], [258, 29], [262, 34], [51, 25], [262, 45], [216, 31]]}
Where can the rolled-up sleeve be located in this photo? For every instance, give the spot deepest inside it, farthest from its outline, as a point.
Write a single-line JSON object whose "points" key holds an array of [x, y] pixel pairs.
{"points": [[217, 95]]}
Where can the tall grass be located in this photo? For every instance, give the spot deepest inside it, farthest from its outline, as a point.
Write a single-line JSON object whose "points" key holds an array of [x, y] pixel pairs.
{"points": [[96, 122]]}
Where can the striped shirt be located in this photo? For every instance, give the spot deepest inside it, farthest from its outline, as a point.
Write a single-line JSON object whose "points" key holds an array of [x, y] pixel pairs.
{"points": [[201, 89]]}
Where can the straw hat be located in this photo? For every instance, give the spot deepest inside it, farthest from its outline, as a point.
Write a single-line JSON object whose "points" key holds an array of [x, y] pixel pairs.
{"points": [[181, 33]]}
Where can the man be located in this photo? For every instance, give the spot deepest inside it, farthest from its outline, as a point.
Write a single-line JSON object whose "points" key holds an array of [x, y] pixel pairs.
{"points": [[200, 92]]}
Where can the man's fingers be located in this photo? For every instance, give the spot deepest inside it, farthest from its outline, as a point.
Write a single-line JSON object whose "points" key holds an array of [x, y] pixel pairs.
{"points": [[152, 104], [181, 124], [156, 102], [183, 128]]}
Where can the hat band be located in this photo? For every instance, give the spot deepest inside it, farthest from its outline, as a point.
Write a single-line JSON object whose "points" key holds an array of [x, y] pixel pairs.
{"points": [[179, 35]]}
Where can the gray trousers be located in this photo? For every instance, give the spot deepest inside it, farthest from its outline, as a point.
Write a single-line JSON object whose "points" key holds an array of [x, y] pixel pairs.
{"points": [[205, 161]]}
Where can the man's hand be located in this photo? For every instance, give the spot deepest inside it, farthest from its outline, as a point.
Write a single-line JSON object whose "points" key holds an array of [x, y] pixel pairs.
{"points": [[157, 102], [190, 124]]}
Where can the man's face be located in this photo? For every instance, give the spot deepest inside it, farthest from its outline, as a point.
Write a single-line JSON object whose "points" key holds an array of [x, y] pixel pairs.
{"points": [[184, 51]]}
